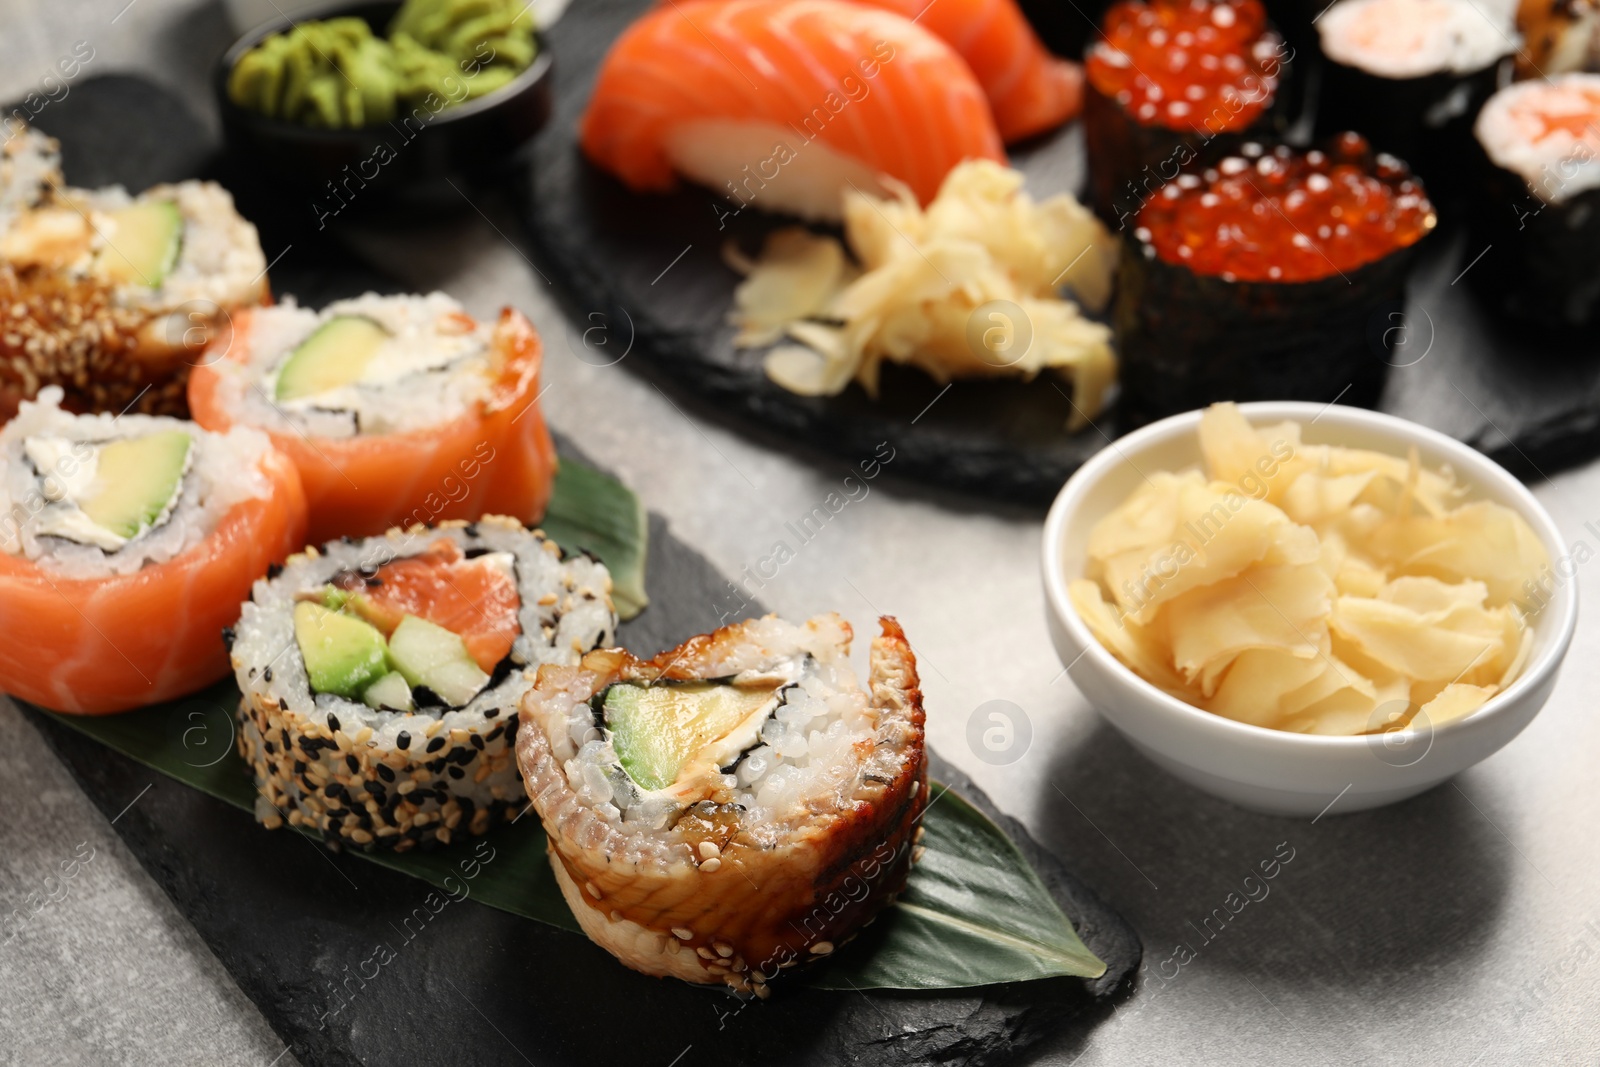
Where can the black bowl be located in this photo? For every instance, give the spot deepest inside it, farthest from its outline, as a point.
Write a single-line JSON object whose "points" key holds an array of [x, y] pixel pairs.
{"points": [[411, 161]]}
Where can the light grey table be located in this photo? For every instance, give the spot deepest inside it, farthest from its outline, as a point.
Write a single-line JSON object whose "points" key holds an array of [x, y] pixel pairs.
{"points": [[1462, 927]]}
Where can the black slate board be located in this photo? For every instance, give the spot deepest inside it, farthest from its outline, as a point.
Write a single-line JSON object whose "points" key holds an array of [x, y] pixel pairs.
{"points": [[1531, 402], [303, 931], [297, 927]]}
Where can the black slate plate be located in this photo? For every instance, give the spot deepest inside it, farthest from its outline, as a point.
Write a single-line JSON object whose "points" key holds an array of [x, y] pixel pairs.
{"points": [[321, 943], [1532, 403], [298, 927]]}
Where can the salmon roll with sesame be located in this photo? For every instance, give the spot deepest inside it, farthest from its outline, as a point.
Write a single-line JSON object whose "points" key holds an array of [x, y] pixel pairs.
{"points": [[115, 297], [126, 544], [397, 410], [380, 677], [732, 807]]}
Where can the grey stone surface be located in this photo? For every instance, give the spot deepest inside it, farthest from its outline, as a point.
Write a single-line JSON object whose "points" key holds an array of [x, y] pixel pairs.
{"points": [[1462, 927]]}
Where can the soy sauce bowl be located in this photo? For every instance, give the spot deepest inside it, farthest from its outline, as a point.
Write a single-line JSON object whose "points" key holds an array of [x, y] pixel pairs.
{"points": [[411, 161], [1276, 771]]}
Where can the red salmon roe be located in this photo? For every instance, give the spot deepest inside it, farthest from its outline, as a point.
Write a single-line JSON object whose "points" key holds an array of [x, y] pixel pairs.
{"points": [[1208, 65], [1286, 215]]}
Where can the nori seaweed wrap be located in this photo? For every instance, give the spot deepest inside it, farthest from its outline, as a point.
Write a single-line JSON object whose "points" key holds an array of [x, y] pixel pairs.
{"points": [[1410, 76], [1244, 282], [1539, 219], [1170, 84]]}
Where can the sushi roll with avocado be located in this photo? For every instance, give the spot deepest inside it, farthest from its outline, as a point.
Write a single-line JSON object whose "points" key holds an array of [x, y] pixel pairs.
{"points": [[114, 297], [30, 168], [126, 544], [397, 410], [732, 807], [1262, 278], [1170, 83], [1540, 210], [1410, 76], [380, 677]]}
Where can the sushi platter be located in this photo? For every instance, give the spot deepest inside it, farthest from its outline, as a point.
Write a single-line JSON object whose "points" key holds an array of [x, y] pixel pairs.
{"points": [[1436, 353], [1276, 312], [517, 935]]}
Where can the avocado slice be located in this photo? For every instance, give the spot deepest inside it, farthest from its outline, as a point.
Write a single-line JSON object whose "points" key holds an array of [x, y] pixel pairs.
{"points": [[343, 654], [391, 691], [658, 729], [430, 655], [144, 246], [336, 354], [136, 481]]}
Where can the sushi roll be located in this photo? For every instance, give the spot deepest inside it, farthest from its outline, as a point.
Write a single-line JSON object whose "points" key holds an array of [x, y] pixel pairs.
{"points": [[1410, 76], [126, 544], [380, 678], [1540, 210], [734, 806], [114, 297], [1260, 278], [1559, 37], [1171, 83], [397, 410], [785, 104], [30, 168]]}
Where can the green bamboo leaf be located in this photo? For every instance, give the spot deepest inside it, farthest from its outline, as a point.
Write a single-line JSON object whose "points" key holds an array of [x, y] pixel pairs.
{"points": [[594, 511], [973, 913]]}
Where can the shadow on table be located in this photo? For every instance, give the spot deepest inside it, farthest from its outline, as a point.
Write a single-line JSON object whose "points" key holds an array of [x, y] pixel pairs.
{"points": [[1364, 901]]}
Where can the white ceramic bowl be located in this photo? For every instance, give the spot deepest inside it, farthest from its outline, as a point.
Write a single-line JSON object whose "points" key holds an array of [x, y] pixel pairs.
{"points": [[1273, 770]]}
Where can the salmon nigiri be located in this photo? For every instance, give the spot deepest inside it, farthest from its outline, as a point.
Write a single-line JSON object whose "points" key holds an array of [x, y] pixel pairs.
{"points": [[785, 103], [1030, 90]]}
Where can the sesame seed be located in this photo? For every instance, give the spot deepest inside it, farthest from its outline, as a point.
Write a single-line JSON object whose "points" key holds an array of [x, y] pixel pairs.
{"points": [[822, 948], [680, 932], [711, 866]]}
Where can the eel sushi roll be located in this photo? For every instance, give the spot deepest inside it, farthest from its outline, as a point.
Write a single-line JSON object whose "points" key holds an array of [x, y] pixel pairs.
{"points": [[1410, 76], [380, 677], [1540, 207], [1169, 83], [126, 544], [732, 807], [30, 167], [1559, 37], [1267, 277], [397, 410], [114, 297]]}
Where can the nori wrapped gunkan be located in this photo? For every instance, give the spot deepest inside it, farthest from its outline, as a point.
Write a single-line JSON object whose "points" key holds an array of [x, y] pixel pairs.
{"points": [[1169, 83], [1262, 276]]}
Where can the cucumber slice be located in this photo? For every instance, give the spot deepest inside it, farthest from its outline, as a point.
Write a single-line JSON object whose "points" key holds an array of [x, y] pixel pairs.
{"points": [[343, 654], [432, 656], [658, 729], [143, 245], [335, 355], [391, 691]]}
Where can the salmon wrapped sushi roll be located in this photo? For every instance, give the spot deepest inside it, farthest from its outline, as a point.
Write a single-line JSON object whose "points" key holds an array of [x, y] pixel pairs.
{"points": [[397, 410], [380, 678], [734, 806], [126, 545]]}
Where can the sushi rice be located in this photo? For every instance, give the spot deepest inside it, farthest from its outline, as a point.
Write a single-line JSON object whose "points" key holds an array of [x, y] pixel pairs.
{"points": [[47, 459], [436, 366], [380, 778]]}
